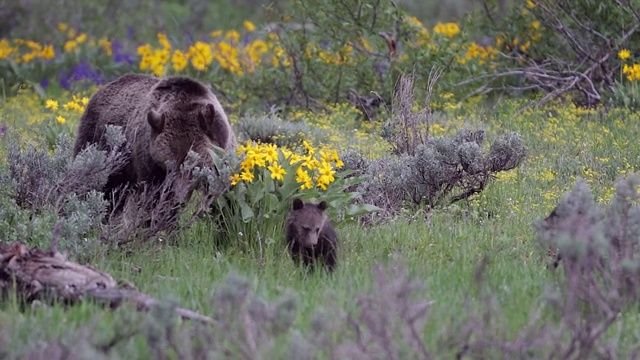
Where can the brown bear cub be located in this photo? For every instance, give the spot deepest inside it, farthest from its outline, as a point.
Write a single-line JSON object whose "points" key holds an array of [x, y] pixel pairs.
{"points": [[310, 235], [162, 120]]}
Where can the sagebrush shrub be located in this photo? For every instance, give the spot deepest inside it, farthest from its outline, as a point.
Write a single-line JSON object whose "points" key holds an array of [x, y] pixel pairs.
{"points": [[59, 198], [271, 129], [442, 170]]}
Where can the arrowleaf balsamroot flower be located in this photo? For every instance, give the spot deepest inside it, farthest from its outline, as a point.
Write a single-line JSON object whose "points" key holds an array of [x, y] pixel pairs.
{"points": [[277, 172], [51, 104], [312, 168], [624, 54]]}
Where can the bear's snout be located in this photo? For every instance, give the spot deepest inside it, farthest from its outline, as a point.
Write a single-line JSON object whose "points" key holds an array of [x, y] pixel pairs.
{"points": [[310, 241]]}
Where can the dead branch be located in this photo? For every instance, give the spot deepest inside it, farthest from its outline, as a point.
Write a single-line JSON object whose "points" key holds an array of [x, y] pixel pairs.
{"points": [[46, 276]]}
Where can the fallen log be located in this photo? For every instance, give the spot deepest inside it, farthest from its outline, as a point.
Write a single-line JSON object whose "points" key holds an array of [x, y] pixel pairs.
{"points": [[43, 276]]}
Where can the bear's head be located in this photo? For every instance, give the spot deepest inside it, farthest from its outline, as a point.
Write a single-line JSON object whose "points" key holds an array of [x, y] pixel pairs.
{"points": [[187, 117], [305, 222]]}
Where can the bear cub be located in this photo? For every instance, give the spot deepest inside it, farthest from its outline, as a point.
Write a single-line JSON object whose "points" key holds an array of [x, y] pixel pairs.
{"points": [[310, 236]]}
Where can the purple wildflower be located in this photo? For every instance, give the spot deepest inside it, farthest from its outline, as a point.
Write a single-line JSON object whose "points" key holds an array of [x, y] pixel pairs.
{"points": [[81, 72], [3, 129], [119, 56]]}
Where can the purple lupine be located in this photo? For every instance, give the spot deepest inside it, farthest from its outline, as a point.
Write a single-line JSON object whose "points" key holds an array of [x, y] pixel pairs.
{"points": [[44, 83], [119, 56], [246, 38], [83, 71], [3, 129]]}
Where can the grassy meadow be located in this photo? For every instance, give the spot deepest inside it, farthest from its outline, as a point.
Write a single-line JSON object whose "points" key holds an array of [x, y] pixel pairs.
{"points": [[269, 308]]}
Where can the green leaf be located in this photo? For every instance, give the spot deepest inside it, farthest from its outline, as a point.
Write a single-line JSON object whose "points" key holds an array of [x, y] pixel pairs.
{"points": [[245, 212], [271, 203]]}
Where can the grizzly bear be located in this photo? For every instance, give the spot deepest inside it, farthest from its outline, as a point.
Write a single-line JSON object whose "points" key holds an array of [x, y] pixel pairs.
{"points": [[310, 236], [162, 120]]}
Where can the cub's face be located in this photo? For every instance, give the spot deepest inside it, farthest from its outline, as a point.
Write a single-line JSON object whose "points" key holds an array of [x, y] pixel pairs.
{"points": [[175, 133], [307, 221]]}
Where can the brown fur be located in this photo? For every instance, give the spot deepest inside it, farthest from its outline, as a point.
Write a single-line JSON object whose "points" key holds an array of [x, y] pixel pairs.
{"points": [[162, 120], [310, 236]]}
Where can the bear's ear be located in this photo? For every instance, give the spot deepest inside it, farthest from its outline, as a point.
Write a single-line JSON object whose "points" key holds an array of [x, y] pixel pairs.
{"points": [[297, 204], [207, 117], [322, 206], [156, 120]]}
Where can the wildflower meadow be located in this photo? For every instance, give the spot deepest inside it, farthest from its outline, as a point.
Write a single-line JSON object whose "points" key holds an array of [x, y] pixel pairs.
{"points": [[479, 162]]}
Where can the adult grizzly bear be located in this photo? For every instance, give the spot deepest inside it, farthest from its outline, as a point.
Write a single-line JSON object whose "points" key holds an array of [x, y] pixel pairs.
{"points": [[310, 236], [162, 119]]}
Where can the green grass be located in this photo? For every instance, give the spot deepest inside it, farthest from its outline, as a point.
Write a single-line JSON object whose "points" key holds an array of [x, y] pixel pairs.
{"points": [[443, 255]]}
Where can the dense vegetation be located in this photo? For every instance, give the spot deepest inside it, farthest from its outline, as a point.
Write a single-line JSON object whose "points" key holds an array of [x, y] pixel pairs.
{"points": [[441, 142]]}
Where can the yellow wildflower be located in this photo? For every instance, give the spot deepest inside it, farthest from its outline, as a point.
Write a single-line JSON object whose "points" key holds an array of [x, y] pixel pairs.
{"points": [[295, 158], [81, 38], [233, 36], [247, 164], [48, 52], [310, 149], [235, 179], [447, 29], [277, 172], [624, 54], [323, 182], [105, 44], [62, 27], [286, 152], [71, 105], [248, 25], [51, 104], [179, 60], [144, 50], [310, 162], [201, 55], [164, 42], [60, 119], [247, 176], [270, 152], [326, 171], [70, 45], [303, 177]]}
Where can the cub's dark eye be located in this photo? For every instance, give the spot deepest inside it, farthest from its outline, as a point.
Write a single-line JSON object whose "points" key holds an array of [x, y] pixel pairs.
{"points": [[306, 229], [318, 231]]}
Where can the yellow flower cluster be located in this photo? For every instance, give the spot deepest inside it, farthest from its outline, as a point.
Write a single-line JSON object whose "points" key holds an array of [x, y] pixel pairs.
{"points": [[75, 104], [316, 167], [155, 59], [475, 51], [25, 51], [631, 71], [449, 30], [225, 50], [76, 40], [340, 57]]}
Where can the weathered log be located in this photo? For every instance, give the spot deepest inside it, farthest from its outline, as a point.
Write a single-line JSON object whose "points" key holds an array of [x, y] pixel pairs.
{"points": [[47, 276]]}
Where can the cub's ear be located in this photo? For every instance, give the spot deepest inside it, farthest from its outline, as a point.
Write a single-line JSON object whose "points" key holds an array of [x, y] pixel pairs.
{"points": [[322, 206], [156, 120], [206, 117], [297, 204]]}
